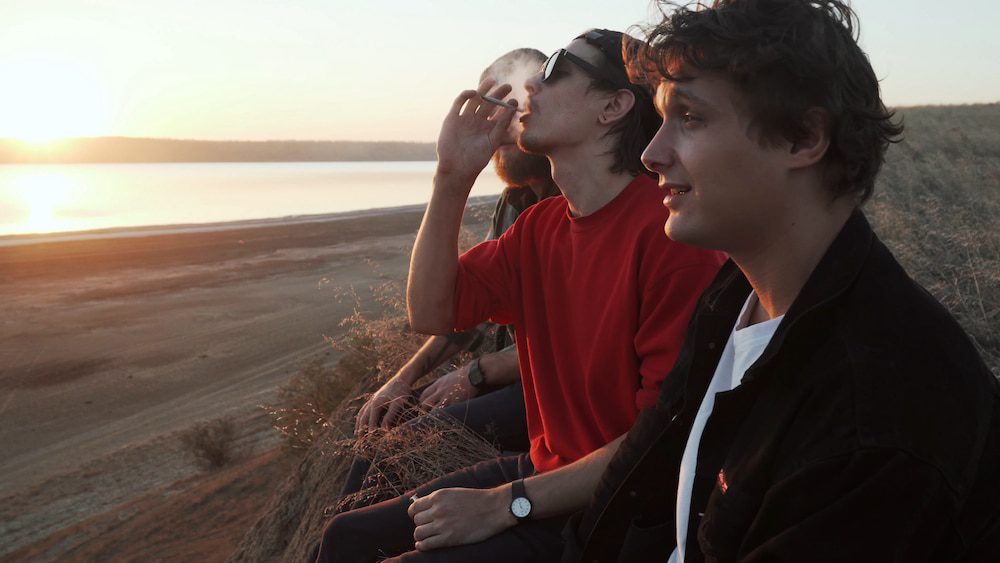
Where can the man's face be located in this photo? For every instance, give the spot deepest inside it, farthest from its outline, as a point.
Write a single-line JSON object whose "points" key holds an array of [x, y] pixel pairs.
{"points": [[561, 111], [723, 189]]}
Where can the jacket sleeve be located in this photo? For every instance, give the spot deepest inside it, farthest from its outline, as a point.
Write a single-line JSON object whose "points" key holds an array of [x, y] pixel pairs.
{"points": [[668, 299], [868, 505]]}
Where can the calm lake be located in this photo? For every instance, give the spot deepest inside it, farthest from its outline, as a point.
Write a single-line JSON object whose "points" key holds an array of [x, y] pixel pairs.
{"points": [[81, 197]]}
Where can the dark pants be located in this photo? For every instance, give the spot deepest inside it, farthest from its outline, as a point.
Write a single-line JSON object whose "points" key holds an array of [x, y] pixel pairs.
{"points": [[497, 416], [384, 530]]}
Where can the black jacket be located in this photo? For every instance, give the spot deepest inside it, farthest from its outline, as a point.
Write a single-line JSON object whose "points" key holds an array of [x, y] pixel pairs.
{"points": [[868, 430]]}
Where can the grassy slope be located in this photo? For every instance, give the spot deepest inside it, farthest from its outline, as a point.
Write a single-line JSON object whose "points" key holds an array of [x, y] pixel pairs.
{"points": [[937, 206]]}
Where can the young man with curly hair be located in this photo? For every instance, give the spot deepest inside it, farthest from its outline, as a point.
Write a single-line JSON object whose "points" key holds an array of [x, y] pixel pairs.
{"points": [[824, 407]]}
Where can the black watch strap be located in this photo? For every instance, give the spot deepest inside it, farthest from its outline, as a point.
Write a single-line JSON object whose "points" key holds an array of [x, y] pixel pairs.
{"points": [[476, 376], [520, 505], [517, 489]]}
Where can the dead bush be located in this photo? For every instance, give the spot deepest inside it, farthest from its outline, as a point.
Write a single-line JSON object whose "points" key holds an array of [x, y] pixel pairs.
{"points": [[407, 456], [212, 443]]}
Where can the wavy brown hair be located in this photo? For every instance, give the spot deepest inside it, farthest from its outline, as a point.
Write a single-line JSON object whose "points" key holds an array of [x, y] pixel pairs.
{"points": [[786, 57]]}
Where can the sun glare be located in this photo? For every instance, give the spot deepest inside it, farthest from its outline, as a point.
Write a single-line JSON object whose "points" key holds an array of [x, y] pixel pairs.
{"points": [[45, 99], [44, 195]]}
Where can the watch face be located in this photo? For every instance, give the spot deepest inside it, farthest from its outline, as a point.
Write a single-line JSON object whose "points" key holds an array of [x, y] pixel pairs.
{"points": [[521, 507]]}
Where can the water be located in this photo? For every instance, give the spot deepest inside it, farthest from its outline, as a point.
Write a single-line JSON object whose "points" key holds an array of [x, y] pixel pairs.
{"points": [[82, 197]]}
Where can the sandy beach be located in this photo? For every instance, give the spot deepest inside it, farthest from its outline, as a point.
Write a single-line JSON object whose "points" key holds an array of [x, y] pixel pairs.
{"points": [[110, 345]]}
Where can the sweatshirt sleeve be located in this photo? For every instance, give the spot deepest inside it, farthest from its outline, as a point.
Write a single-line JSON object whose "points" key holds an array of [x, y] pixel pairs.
{"points": [[486, 287]]}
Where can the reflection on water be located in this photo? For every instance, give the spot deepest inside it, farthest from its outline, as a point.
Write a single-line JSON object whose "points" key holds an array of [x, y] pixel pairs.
{"points": [[56, 198]]}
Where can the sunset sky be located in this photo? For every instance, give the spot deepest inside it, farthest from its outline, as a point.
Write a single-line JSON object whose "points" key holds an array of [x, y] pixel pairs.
{"points": [[343, 69]]}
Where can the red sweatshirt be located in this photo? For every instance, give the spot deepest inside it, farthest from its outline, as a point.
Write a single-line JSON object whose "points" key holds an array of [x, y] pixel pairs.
{"points": [[600, 305]]}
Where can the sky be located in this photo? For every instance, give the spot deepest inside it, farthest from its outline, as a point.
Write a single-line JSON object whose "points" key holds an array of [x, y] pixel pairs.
{"points": [[377, 70]]}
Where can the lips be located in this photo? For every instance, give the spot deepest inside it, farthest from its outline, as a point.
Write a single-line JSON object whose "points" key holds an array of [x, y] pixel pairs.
{"points": [[675, 193], [676, 189]]}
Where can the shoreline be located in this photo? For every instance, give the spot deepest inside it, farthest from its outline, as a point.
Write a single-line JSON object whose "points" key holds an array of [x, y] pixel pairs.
{"points": [[217, 226]]}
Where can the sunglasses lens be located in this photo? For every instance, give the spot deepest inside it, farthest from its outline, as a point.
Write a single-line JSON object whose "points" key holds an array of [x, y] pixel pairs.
{"points": [[550, 65]]}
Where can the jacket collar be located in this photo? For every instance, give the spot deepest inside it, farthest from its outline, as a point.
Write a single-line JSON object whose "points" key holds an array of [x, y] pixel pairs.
{"points": [[833, 275]]}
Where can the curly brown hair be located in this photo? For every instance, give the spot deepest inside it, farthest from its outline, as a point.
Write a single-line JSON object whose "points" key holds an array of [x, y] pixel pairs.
{"points": [[786, 57]]}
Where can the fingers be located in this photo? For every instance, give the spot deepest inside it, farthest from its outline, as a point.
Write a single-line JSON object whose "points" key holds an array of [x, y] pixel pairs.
{"points": [[472, 104], [425, 531], [431, 543], [374, 414], [430, 400], [392, 413], [366, 414], [361, 418], [426, 528], [465, 96], [429, 391], [501, 91]]}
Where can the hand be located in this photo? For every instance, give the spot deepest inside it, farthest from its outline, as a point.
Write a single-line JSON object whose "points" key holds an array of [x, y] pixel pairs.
{"points": [[385, 406], [452, 387], [472, 131], [450, 517]]}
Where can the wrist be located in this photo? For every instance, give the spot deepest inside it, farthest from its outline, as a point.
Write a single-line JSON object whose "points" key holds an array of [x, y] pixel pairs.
{"points": [[452, 181], [408, 374], [475, 376], [502, 506]]}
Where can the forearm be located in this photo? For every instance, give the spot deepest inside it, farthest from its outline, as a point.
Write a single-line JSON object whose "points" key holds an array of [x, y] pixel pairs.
{"points": [[570, 487], [500, 367], [430, 293], [435, 351], [459, 516]]}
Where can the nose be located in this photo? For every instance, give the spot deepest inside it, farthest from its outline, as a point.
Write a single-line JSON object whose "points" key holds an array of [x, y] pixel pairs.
{"points": [[659, 154]]}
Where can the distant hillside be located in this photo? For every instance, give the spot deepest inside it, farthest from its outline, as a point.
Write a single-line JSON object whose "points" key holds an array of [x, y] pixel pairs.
{"points": [[132, 149]]}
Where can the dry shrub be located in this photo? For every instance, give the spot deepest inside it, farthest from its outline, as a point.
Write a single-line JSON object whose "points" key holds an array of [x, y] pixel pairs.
{"points": [[321, 401], [936, 206], [212, 443], [410, 455], [306, 401], [370, 351]]}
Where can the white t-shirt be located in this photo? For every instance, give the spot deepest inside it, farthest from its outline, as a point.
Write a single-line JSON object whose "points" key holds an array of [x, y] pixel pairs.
{"points": [[745, 345]]}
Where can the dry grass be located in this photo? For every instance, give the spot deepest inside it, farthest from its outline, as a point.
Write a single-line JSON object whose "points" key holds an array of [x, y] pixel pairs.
{"points": [[372, 348], [937, 205], [320, 400], [212, 443], [405, 457]]}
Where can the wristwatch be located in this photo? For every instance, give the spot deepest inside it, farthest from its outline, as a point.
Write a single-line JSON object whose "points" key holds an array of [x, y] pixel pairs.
{"points": [[476, 377], [520, 505]]}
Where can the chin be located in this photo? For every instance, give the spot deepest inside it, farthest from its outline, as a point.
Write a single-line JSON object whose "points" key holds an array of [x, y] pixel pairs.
{"points": [[531, 143], [679, 230]]}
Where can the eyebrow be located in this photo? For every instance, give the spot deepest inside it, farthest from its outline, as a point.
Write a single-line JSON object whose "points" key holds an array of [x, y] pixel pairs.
{"points": [[687, 94]]}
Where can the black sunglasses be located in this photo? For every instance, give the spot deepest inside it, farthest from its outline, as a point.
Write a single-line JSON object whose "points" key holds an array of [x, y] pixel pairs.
{"points": [[595, 71]]}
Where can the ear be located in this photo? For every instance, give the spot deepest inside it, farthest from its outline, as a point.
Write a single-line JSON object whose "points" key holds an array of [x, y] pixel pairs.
{"points": [[616, 107], [810, 150]]}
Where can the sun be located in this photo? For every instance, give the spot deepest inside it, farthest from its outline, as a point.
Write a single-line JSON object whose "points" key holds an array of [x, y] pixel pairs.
{"points": [[47, 98]]}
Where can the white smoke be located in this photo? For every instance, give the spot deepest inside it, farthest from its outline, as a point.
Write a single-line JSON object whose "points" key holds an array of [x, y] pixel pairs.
{"points": [[514, 68]]}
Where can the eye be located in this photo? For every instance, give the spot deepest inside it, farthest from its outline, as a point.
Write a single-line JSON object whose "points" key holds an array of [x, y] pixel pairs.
{"points": [[690, 120]]}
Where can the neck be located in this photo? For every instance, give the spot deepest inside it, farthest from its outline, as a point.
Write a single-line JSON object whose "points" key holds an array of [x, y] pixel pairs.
{"points": [[586, 181], [781, 259]]}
